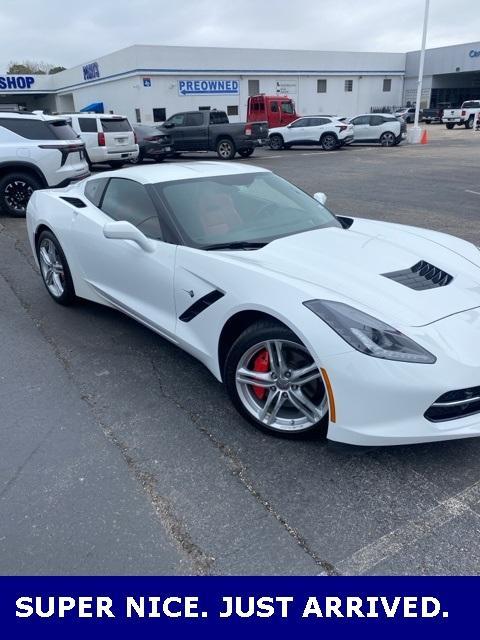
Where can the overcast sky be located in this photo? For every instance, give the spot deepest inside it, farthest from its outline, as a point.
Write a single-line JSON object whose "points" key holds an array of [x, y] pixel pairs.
{"points": [[69, 32]]}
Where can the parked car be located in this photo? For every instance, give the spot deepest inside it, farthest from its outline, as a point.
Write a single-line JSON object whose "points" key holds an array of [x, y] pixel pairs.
{"points": [[152, 143], [108, 138], [327, 131], [383, 128], [435, 114], [463, 116], [278, 111], [36, 152], [408, 114], [365, 331], [211, 130]]}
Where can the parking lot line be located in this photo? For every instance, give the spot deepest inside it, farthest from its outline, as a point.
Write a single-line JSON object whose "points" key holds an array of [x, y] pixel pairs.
{"points": [[477, 193]]}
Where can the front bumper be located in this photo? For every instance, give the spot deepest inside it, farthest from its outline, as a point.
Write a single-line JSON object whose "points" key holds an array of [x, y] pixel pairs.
{"points": [[381, 402]]}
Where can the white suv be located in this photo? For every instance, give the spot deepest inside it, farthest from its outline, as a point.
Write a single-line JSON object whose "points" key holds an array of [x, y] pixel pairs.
{"points": [[329, 132], [36, 151], [108, 138], [383, 128]]}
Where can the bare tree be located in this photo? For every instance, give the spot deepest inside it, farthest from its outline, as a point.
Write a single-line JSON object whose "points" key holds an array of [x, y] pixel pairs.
{"points": [[31, 66]]}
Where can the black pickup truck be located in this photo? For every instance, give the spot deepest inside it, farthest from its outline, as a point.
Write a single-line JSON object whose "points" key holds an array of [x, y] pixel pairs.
{"points": [[212, 131]]}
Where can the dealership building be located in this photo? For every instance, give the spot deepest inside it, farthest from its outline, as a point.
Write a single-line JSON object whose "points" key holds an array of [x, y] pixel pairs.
{"points": [[150, 83]]}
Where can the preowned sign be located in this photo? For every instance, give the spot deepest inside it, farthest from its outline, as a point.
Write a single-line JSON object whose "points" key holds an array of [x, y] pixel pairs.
{"points": [[12, 83], [208, 87]]}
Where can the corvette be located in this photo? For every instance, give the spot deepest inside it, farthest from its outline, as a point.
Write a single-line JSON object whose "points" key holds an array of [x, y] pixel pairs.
{"points": [[364, 331]]}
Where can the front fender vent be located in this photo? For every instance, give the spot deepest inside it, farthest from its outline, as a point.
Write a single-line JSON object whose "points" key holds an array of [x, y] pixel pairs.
{"points": [[421, 276]]}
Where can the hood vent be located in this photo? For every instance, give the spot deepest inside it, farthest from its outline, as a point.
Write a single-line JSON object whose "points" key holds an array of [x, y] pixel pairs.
{"points": [[421, 276]]}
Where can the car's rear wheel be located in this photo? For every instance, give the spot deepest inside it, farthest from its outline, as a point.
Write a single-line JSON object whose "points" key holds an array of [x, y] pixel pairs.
{"points": [[276, 142], [450, 125], [15, 191], [54, 268], [469, 123], [245, 153], [274, 382], [387, 139], [329, 142], [226, 149]]}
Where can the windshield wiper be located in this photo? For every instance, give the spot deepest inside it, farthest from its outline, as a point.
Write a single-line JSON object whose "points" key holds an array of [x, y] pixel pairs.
{"points": [[242, 244]]}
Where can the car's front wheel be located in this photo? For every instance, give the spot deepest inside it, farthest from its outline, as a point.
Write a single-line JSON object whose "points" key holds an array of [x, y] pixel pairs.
{"points": [[54, 269], [15, 191], [274, 382]]}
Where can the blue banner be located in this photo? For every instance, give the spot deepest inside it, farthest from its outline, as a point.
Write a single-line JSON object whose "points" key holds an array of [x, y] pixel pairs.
{"points": [[243, 607]]}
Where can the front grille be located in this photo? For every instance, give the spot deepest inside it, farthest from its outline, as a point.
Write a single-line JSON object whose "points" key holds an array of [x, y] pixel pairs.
{"points": [[454, 404], [421, 276]]}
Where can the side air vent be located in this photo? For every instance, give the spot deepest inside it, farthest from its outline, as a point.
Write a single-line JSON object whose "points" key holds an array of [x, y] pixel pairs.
{"points": [[75, 202], [421, 276], [200, 305]]}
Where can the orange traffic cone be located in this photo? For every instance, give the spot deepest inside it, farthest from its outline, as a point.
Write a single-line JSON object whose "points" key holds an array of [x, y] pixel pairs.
{"points": [[424, 138]]}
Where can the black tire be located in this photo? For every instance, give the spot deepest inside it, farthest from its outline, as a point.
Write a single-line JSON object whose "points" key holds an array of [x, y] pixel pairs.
{"points": [[257, 333], [226, 149], [116, 164], [138, 160], [287, 146], [387, 139], [15, 191], [68, 296], [329, 141], [428, 121], [469, 123], [245, 153], [159, 158], [450, 125], [276, 142]]}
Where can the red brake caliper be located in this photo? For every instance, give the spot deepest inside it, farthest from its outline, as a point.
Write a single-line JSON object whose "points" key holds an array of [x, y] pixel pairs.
{"points": [[261, 364]]}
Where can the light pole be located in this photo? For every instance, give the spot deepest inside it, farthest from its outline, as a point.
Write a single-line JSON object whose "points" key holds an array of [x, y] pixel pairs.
{"points": [[416, 133]]}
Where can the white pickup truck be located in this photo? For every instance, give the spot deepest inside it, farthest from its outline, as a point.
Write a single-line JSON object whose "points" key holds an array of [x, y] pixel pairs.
{"points": [[465, 115]]}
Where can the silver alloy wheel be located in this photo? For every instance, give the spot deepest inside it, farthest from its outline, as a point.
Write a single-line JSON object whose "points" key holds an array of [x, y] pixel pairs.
{"points": [[387, 139], [225, 149], [52, 267], [276, 143], [329, 142], [17, 194], [295, 397]]}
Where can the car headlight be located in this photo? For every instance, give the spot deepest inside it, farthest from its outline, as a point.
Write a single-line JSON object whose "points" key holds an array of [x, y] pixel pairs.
{"points": [[369, 335]]}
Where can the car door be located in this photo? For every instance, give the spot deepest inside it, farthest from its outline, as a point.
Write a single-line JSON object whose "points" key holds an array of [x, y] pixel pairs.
{"points": [[316, 126], [120, 271], [195, 132], [175, 127], [297, 132], [361, 128], [377, 127]]}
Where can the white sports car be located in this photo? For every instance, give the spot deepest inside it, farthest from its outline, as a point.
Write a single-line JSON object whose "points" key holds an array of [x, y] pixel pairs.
{"points": [[368, 332]]}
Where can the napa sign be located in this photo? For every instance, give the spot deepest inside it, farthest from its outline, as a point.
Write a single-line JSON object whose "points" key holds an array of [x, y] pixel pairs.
{"points": [[16, 83], [91, 71], [200, 87], [474, 53]]}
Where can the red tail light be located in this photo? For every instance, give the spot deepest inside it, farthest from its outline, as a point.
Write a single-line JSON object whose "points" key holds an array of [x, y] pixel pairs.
{"points": [[248, 130], [342, 127], [464, 113], [101, 139]]}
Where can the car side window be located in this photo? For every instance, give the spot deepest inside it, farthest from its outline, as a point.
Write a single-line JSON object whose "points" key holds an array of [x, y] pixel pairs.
{"points": [[128, 200], [361, 120], [274, 107], [375, 121], [194, 120], [178, 120], [87, 125], [318, 122], [303, 122], [94, 190]]}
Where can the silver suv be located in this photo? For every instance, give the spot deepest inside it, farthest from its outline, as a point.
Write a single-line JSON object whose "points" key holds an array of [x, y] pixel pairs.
{"points": [[36, 152]]}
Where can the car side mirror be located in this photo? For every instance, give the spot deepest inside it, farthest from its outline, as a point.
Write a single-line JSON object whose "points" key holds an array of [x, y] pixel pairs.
{"points": [[123, 230], [168, 125], [320, 197]]}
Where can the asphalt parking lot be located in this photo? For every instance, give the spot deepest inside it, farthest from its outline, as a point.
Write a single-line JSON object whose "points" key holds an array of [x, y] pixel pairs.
{"points": [[122, 455]]}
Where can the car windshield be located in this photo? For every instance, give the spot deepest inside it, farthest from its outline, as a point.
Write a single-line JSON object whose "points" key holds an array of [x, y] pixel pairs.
{"points": [[243, 208]]}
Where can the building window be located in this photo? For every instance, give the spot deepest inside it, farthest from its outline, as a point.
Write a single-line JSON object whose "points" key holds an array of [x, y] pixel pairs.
{"points": [[138, 115], [387, 84], [159, 114], [322, 86], [232, 110], [253, 87], [348, 86]]}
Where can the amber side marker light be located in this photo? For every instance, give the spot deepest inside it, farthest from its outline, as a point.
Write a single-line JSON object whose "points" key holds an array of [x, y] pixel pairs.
{"points": [[331, 399]]}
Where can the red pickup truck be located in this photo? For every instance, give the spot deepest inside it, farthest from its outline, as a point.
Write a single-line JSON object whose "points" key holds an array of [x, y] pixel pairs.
{"points": [[278, 111]]}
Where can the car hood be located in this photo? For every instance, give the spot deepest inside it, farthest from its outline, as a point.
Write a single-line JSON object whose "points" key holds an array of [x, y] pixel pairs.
{"points": [[350, 265]]}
